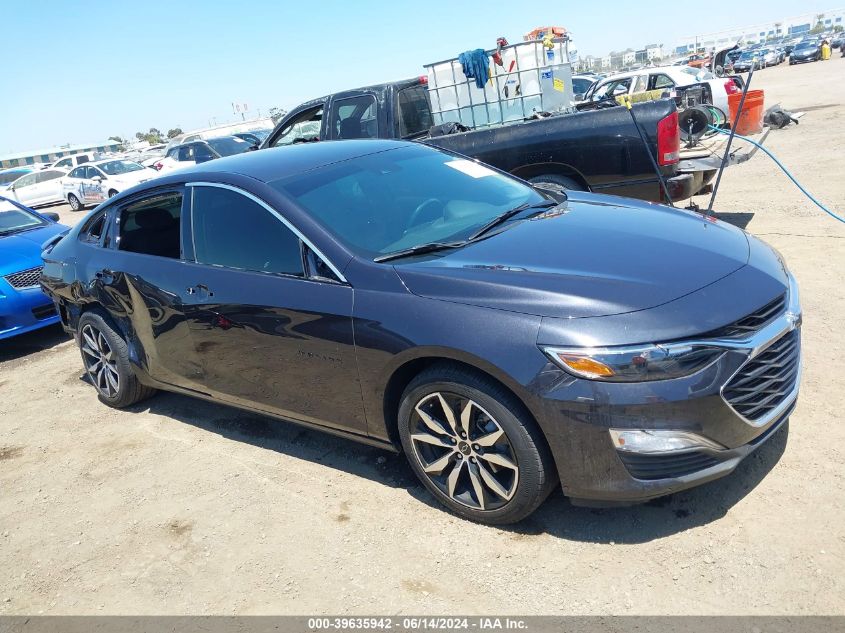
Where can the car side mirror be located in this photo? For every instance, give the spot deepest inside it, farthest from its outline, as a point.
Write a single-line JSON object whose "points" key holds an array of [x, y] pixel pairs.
{"points": [[52, 215], [97, 179]]}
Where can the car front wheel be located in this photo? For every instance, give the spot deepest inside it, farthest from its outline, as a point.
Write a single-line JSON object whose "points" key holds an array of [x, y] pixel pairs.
{"points": [[74, 202], [473, 447], [105, 356]]}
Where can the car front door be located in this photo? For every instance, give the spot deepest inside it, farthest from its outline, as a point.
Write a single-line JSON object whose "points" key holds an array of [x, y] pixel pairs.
{"points": [[138, 277], [26, 189], [91, 185], [271, 335]]}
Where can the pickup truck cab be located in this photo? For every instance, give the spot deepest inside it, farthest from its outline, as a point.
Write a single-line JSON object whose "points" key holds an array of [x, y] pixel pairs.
{"points": [[598, 150]]}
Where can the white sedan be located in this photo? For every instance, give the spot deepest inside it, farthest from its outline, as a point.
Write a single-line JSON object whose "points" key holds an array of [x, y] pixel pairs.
{"points": [[664, 79], [92, 183], [37, 188]]}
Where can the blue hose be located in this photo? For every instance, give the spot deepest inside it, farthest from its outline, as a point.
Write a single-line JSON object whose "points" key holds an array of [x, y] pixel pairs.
{"points": [[786, 171]]}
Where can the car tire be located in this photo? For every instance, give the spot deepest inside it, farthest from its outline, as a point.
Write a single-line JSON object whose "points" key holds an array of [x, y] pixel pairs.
{"points": [[497, 473], [105, 357], [554, 179], [74, 202], [112, 193]]}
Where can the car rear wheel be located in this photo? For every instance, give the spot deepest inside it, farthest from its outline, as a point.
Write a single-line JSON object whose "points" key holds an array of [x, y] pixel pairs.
{"points": [[473, 447], [105, 356], [554, 179], [74, 202]]}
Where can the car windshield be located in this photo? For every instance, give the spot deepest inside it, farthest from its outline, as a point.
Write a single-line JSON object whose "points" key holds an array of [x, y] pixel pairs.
{"points": [[406, 197], [229, 145], [747, 55], [13, 219], [805, 46], [117, 167], [260, 134]]}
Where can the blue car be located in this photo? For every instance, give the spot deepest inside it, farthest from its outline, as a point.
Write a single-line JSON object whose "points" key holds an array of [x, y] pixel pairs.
{"points": [[23, 307]]}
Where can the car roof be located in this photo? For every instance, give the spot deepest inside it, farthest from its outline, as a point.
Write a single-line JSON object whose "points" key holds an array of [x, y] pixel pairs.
{"points": [[271, 164], [651, 69]]}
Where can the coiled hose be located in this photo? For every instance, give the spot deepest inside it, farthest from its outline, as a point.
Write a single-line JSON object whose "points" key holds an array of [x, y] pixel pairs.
{"points": [[786, 171]]}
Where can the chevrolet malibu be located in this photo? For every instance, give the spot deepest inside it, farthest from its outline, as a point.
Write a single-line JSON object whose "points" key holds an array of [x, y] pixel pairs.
{"points": [[505, 338]]}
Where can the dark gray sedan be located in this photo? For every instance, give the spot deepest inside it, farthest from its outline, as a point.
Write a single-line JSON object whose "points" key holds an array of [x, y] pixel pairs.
{"points": [[504, 337]]}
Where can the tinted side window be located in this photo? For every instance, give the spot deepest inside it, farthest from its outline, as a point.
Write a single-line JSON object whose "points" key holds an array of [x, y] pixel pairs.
{"points": [[45, 176], [414, 111], [152, 226], [81, 159], [202, 153], [354, 118], [26, 181], [231, 230], [64, 163], [186, 152], [78, 172]]}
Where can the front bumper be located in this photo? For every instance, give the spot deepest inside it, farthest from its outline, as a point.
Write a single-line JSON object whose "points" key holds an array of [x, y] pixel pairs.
{"points": [[24, 310], [578, 414]]}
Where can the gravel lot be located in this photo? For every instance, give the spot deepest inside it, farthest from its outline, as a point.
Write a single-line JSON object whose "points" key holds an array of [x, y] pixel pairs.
{"points": [[179, 506]]}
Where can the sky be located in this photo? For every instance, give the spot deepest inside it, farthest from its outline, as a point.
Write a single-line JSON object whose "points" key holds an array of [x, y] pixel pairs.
{"points": [[79, 71]]}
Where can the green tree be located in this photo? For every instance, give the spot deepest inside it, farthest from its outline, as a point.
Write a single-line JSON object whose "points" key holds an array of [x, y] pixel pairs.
{"points": [[174, 132], [120, 140], [153, 137]]}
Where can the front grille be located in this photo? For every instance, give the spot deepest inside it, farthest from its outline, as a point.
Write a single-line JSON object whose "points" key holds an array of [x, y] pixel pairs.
{"points": [[764, 382], [25, 278], [665, 466], [754, 321], [44, 312]]}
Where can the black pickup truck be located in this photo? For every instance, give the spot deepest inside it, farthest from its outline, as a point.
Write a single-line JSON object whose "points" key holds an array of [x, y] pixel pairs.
{"points": [[598, 150]]}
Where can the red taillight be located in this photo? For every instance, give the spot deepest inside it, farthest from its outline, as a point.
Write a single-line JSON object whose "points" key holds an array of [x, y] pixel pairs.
{"points": [[423, 79], [731, 88], [158, 166], [668, 140]]}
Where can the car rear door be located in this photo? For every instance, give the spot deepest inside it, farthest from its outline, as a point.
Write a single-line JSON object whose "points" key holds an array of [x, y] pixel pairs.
{"points": [[270, 335], [138, 277], [50, 184]]}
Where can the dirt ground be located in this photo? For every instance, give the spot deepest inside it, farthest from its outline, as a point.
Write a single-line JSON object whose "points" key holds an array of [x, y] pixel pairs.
{"points": [[184, 507]]}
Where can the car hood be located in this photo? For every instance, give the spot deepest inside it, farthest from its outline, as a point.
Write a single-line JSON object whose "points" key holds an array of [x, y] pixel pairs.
{"points": [[21, 251], [134, 177], [805, 53], [593, 255]]}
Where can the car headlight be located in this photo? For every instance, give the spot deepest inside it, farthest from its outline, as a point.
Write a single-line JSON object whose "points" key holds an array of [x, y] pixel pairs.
{"points": [[635, 364]]}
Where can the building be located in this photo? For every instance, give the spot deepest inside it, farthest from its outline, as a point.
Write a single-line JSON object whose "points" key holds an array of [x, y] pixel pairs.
{"points": [[53, 154], [761, 32]]}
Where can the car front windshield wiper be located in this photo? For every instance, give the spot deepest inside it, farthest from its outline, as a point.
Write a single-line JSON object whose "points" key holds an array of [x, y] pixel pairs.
{"points": [[419, 250], [507, 215], [18, 229]]}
